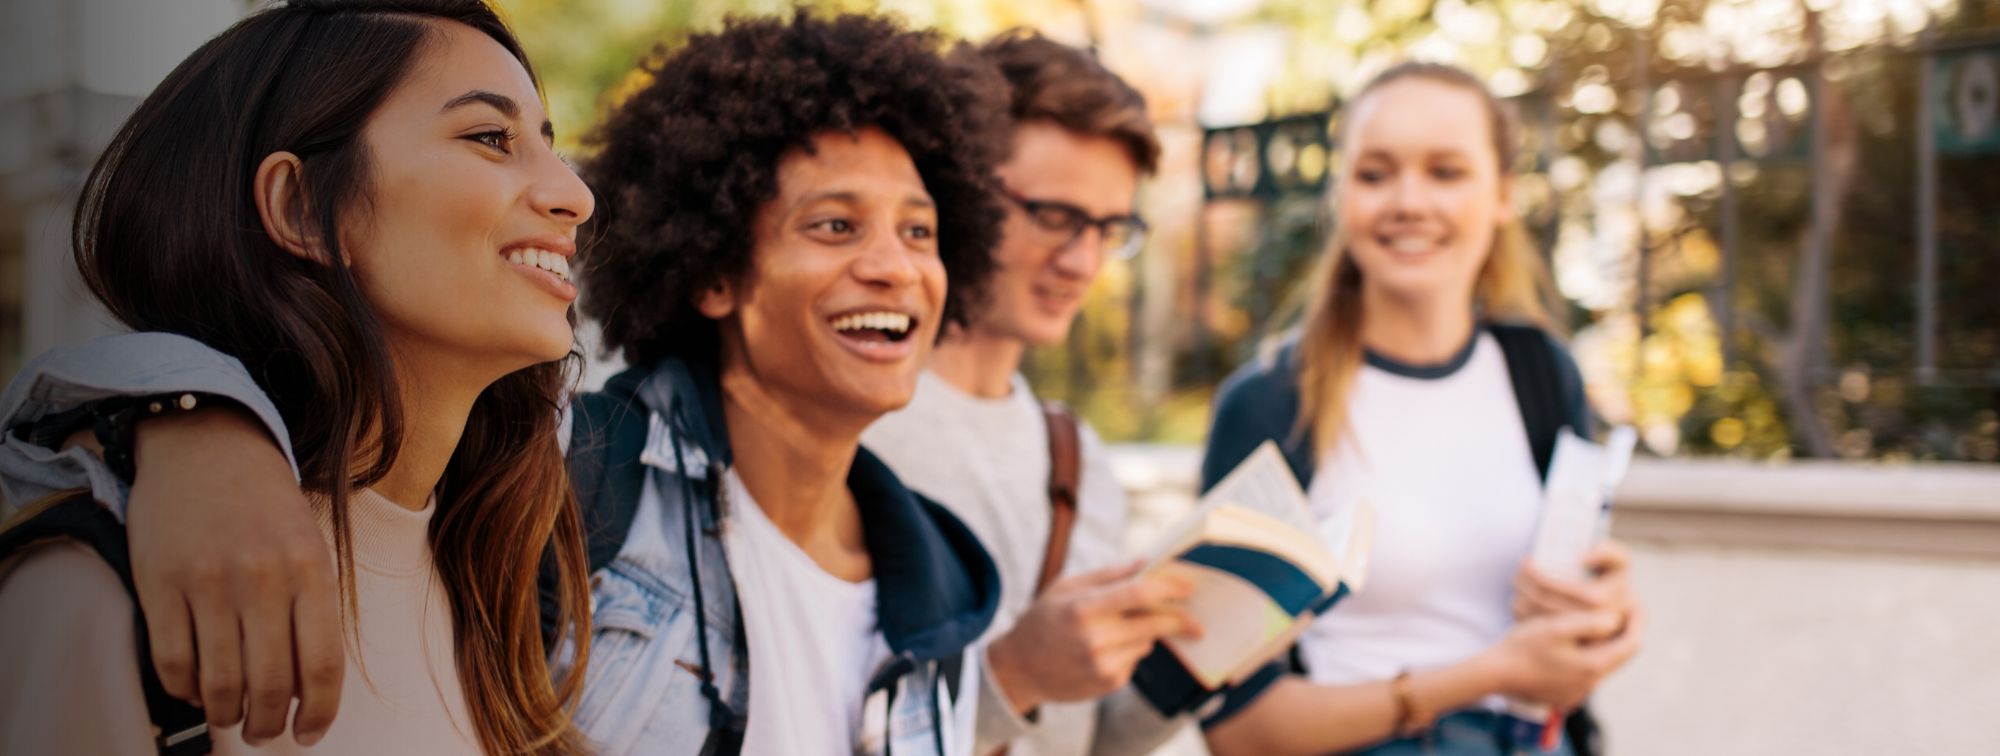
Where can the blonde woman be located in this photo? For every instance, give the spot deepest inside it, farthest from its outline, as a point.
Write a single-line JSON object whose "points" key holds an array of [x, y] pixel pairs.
{"points": [[1423, 381]]}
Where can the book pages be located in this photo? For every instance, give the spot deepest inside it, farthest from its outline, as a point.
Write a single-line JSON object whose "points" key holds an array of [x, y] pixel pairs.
{"points": [[1252, 622], [1264, 483], [1351, 534], [1576, 500], [1572, 505], [1254, 553]]}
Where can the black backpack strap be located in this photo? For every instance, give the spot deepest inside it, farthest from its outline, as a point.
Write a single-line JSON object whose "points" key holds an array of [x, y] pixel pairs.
{"points": [[1538, 388], [1543, 387], [607, 434], [952, 669], [179, 728]]}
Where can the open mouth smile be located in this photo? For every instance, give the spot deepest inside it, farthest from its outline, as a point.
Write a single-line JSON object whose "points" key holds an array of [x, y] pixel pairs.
{"points": [[542, 259], [1412, 245], [548, 269], [879, 335]]}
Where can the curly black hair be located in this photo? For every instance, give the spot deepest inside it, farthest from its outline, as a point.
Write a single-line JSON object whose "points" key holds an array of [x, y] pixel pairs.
{"points": [[684, 165]]}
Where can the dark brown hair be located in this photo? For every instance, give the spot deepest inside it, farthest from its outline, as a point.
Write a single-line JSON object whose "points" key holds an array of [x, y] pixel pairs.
{"points": [[1055, 82], [685, 164], [167, 235]]}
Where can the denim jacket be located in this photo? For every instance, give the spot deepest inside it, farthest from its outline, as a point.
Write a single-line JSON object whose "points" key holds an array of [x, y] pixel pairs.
{"points": [[647, 688], [129, 364], [938, 589]]}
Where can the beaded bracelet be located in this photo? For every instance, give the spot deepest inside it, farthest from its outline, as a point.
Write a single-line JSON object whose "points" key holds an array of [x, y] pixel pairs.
{"points": [[115, 422]]}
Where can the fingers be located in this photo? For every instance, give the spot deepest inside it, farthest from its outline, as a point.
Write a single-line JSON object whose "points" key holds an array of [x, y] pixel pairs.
{"points": [[170, 633], [1113, 656], [268, 668], [1586, 626], [1607, 557], [1145, 628], [1613, 654], [219, 659], [1561, 595], [1610, 565], [1115, 664], [1095, 578], [1532, 597], [316, 630], [1158, 590]]}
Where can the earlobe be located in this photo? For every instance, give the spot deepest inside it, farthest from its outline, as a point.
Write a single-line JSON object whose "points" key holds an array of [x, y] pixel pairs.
{"points": [[281, 206], [716, 302]]}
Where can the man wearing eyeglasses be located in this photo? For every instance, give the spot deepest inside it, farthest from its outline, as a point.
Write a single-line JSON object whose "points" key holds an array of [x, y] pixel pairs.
{"points": [[1073, 619]]}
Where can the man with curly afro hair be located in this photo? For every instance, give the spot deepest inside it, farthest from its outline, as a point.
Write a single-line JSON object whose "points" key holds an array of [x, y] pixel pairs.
{"points": [[790, 211], [976, 440]]}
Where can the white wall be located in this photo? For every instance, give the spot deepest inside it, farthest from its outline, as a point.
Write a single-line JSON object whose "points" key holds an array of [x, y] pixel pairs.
{"points": [[71, 71]]}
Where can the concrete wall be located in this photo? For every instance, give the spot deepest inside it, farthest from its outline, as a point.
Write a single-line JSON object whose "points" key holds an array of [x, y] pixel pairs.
{"points": [[1778, 651], [71, 72], [1810, 608]]}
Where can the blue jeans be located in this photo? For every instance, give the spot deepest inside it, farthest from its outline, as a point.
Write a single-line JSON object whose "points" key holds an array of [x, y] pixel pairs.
{"points": [[1472, 733]]}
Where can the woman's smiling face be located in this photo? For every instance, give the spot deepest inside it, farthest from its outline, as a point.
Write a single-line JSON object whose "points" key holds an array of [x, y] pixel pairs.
{"points": [[463, 243], [1421, 196]]}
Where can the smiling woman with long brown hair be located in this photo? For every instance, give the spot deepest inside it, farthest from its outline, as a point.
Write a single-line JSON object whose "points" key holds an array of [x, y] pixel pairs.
{"points": [[359, 201]]}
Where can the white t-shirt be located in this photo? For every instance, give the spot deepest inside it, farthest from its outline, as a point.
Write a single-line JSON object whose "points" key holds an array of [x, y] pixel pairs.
{"points": [[1443, 456], [987, 460], [814, 638]]}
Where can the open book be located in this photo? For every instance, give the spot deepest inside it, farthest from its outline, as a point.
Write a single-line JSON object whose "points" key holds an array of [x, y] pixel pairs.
{"points": [[1262, 570]]}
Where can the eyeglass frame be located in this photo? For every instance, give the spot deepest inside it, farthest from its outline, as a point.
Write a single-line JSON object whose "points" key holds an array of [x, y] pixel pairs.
{"points": [[1085, 221]]}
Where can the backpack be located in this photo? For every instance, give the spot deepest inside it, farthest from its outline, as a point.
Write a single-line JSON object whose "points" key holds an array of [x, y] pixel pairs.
{"points": [[179, 728], [1537, 379]]}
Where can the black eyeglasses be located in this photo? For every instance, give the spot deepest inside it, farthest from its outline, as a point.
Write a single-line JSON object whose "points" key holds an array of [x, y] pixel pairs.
{"points": [[1065, 223]]}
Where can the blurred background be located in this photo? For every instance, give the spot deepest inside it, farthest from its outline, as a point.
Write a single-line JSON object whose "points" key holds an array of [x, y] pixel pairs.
{"points": [[1773, 222]]}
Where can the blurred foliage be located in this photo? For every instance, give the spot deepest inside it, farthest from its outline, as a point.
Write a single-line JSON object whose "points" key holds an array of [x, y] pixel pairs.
{"points": [[588, 53], [1634, 227], [1683, 331]]}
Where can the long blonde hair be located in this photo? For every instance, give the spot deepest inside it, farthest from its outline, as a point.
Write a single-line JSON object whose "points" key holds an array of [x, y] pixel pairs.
{"points": [[1513, 284]]}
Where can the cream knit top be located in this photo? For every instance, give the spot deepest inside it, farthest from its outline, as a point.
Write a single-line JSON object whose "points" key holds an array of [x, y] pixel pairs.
{"points": [[69, 659]]}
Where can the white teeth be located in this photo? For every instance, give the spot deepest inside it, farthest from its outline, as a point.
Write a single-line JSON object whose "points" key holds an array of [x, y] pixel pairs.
{"points": [[535, 257], [1411, 244], [894, 322]]}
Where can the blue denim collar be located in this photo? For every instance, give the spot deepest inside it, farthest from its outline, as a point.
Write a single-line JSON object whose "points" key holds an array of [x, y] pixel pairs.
{"points": [[937, 588]]}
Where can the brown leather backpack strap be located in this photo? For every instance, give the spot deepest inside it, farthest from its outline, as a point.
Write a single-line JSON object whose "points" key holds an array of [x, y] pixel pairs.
{"points": [[1065, 470]]}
